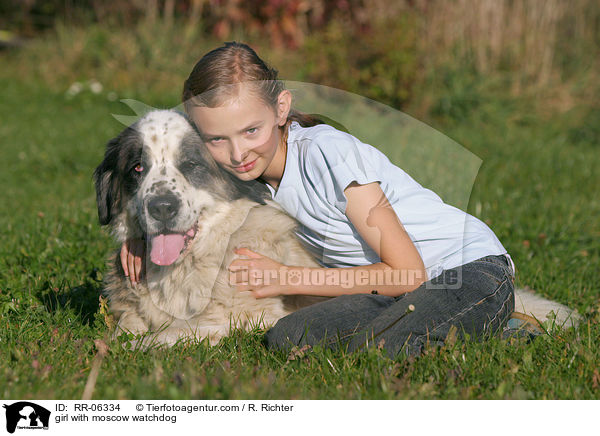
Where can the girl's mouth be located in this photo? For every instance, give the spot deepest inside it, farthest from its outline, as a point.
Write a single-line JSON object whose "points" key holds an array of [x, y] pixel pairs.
{"points": [[246, 167]]}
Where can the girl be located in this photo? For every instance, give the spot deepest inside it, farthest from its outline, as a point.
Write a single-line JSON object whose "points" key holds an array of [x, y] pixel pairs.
{"points": [[404, 266]]}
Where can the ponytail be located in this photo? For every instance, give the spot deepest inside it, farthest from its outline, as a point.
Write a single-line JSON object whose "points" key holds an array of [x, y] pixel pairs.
{"points": [[310, 120]]}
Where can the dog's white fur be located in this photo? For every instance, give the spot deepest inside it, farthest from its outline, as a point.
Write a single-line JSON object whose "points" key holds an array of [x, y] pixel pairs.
{"points": [[542, 309], [193, 298]]}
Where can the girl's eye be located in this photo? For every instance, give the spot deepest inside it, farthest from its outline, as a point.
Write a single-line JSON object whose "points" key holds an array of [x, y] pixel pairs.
{"points": [[216, 139], [252, 130], [138, 168]]}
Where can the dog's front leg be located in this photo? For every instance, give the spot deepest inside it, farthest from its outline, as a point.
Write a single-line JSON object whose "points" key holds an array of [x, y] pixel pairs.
{"points": [[131, 322], [171, 335]]}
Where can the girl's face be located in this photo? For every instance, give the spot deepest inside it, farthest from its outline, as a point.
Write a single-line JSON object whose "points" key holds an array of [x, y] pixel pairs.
{"points": [[243, 135]]}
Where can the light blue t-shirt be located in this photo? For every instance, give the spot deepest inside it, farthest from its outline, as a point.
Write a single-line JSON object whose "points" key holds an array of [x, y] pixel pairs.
{"points": [[322, 161]]}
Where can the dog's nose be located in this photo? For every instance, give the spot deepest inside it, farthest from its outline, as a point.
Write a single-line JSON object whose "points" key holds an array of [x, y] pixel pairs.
{"points": [[163, 207]]}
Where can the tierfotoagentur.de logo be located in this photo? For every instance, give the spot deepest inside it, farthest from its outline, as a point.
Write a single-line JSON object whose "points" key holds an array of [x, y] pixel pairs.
{"points": [[26, 415]]}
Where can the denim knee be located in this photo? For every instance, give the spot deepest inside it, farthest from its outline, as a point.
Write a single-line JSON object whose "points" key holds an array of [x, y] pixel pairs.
{"points": [[328, 323], [278, 336]]}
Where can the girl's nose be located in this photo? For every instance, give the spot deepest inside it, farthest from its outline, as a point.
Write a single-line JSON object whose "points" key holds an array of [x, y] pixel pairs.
{"points": [[238, 152]]}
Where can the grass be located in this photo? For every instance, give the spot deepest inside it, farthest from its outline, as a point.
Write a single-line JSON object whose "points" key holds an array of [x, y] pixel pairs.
{"points": [[537, 189]]}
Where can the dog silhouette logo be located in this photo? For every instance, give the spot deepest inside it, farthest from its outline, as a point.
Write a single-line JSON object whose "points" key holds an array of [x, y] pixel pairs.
{"points": [[26, 415]]}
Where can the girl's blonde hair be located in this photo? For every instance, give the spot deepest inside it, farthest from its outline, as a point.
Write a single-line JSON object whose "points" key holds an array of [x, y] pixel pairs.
{"points": [[217, 77]]}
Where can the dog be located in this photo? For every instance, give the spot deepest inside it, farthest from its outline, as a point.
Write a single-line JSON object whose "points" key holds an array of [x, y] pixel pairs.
{"points": [[158, 182]]}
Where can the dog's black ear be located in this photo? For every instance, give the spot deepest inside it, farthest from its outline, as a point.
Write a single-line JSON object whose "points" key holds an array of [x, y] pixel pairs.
{"points": [[108, 195], [252, 189]]}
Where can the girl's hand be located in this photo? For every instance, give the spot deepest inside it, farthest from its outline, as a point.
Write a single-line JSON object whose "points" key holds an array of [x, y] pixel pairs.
{"points": [[132, 259], [259, 274]]}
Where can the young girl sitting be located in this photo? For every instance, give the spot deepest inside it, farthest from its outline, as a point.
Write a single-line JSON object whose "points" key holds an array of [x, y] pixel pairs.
{"points": [[359, 215]]}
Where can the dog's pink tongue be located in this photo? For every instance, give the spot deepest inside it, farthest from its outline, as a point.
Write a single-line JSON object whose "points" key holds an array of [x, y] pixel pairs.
{"points": [[166, 248]]}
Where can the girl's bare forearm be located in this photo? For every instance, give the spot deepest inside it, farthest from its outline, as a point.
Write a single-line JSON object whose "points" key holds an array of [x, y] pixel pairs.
{"points": [[377, 278]]}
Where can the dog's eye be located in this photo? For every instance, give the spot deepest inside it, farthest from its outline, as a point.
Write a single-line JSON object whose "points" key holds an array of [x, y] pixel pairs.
{"points": [[138, 168], [188, 166]]}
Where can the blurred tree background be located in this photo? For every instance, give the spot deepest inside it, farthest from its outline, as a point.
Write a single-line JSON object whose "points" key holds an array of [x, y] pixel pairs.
{"points": [[436, 57]]}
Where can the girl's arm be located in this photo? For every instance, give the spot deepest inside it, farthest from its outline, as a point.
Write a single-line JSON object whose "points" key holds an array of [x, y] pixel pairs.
{"points": [[401, 268]]}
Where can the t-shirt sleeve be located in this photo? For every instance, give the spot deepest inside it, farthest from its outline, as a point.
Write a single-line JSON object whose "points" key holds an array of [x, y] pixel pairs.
{"points": [[336, 160]]}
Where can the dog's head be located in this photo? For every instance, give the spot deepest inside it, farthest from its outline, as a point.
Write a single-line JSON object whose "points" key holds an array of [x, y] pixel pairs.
{"points": [[158, 181]]}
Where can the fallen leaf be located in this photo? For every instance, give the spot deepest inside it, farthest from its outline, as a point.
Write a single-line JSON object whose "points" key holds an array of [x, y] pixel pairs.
{"points": [[296, 352]]}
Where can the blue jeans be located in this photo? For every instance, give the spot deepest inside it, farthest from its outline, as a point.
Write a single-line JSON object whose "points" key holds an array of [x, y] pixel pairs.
{"points": [[479, 302]]}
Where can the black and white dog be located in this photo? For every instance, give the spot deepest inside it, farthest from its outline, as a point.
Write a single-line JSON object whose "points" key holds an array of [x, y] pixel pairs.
{"points": [[158, 182]]}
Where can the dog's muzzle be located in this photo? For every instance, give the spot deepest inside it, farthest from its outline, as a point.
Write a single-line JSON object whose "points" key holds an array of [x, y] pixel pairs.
{"points": [[164, 208]]}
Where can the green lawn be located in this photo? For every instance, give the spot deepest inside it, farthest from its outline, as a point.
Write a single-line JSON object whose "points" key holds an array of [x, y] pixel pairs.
{"points": [[536, 188]]}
